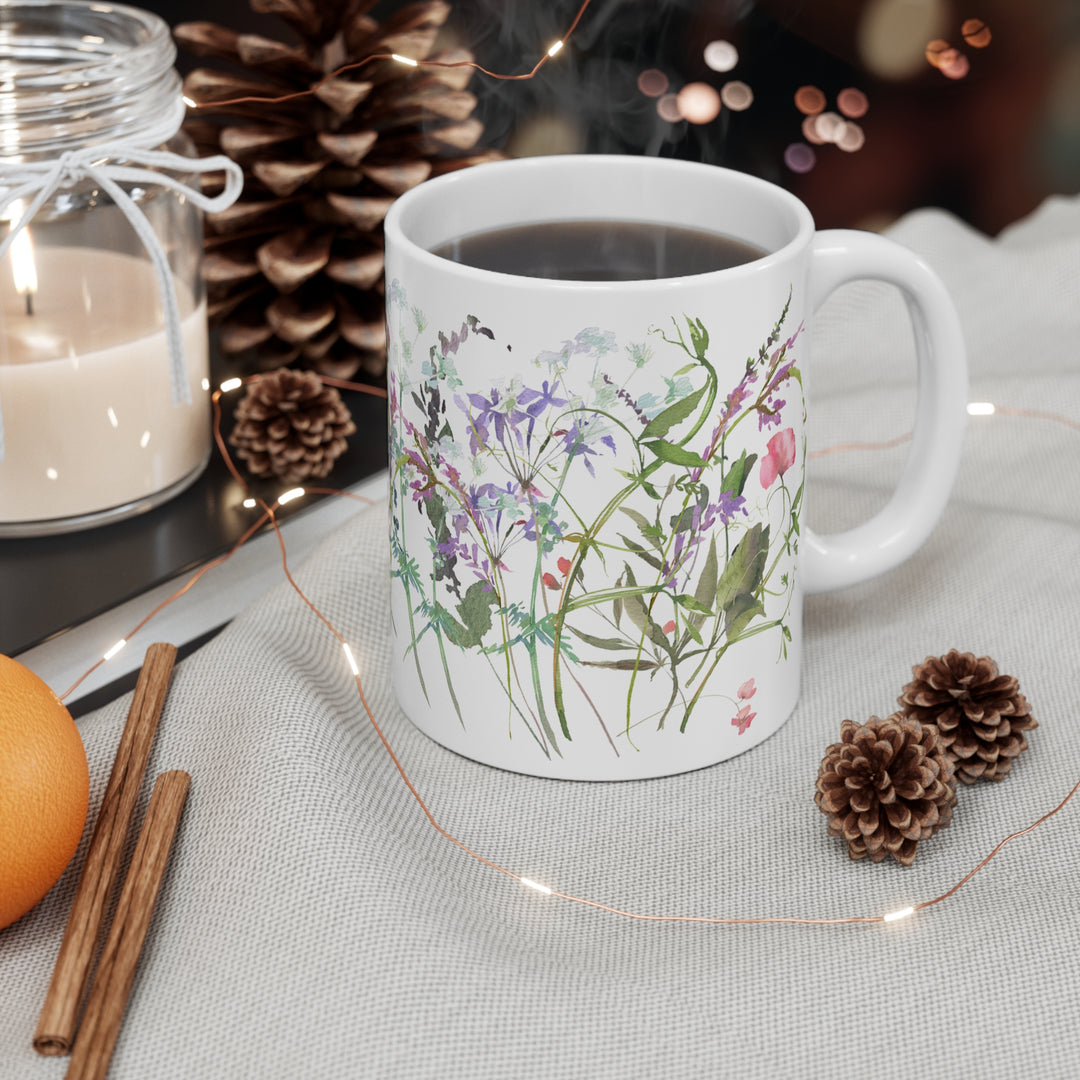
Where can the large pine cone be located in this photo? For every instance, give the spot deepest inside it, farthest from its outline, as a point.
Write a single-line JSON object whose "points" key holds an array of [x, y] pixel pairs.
{"points": [[887, 785], [981, 714], [294, 270], [290, 426]]}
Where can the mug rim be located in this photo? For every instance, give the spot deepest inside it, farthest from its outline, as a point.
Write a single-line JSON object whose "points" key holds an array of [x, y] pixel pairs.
{"points": [[395, 224]]}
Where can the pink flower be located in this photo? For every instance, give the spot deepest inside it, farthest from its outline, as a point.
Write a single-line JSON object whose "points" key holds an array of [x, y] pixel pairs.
{"points": [[780, 457], [742, 718], [747, 690], [564, 566], [669, 626], [550, 581]]}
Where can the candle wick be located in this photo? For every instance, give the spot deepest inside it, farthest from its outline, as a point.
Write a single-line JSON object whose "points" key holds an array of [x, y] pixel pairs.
{"points": [[29, 301]]}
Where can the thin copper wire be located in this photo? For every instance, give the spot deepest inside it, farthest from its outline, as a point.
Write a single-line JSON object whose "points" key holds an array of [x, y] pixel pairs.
{"points": [[259, 99], [844, 447], [1036, 414], [269, 515], [248, 533], [1012, 836]]}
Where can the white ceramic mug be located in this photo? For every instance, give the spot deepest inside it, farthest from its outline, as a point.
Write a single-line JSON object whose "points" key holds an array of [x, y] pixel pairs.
{"points": [[598, 555]]}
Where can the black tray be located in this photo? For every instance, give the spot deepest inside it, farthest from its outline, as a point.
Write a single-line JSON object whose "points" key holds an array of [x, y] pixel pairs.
{"points": [[51, 583]]}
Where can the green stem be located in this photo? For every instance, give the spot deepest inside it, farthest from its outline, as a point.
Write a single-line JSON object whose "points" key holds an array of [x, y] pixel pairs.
{"points": [[449, 681]]}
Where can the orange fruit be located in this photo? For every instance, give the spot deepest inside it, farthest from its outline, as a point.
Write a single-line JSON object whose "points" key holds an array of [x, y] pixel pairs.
{"points": [[44, 789]]}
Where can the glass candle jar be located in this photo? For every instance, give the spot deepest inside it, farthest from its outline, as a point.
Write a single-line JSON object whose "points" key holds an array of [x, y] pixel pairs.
{"points": [[104, 380]]}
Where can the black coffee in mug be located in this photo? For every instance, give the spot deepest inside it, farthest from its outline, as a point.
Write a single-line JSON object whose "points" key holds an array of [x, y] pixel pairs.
{"points": [[599, 250]]}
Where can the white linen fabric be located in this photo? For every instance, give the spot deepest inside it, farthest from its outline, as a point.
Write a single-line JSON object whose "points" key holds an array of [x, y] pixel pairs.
{"points": [[314, 924]]}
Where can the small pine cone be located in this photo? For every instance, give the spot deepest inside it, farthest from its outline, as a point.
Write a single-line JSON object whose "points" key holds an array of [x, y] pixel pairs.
{"points": [[885, 786], [290, 426], [981, 714]]}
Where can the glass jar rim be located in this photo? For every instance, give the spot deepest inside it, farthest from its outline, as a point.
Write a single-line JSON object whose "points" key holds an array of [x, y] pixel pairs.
{"points": [[80, 72]]}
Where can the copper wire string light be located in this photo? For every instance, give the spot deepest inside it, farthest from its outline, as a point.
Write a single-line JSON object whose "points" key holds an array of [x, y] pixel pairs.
{"points": [[269, 516], [553, 50]]}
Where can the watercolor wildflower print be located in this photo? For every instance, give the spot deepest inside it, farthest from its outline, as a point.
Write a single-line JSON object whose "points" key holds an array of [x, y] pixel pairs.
{"points": [[581, 527]]}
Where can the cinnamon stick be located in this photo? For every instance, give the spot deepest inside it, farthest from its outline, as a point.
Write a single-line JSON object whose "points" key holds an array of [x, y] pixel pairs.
{"points": [[120, 957], [60, 1012]]}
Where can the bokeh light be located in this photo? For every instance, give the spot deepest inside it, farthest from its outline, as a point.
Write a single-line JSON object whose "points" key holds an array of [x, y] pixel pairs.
{"points": [[829, 126], [891, 35], [852, 103], [852, 138], [976, 33], [721, 55], [934, 49], [736, 95], [698, 102], [800, 158], [953, 64], [668, 108], [652, 82], [809, 131], [809, 100]]}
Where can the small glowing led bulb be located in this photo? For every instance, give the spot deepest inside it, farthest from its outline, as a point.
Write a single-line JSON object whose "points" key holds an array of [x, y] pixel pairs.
{"points": [[903, 913], [115, 649], [352, 659]]}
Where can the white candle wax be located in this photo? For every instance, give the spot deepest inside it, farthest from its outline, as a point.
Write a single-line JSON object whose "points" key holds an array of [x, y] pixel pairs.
{"points": [[89, 422]]}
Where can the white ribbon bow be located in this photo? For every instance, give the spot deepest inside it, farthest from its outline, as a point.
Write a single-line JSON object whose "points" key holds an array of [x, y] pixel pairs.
{"points": [[39, 181]]}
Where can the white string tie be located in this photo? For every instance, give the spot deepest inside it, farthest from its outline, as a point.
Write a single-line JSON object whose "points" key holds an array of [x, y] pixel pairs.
{"points": [[38, 181]]}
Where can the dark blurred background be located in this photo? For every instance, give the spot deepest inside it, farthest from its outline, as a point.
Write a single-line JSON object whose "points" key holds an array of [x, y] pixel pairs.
{"points": [[970, 105]]}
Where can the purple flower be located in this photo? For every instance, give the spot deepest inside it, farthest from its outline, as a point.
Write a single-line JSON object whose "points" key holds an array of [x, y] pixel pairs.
{"points": [[770, 415], [536, 401], [487, 415], [575, 445]]}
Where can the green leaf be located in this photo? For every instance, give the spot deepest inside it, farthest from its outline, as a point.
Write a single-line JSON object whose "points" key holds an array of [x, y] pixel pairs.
{"points": [[705, 593], [745, 568], [683, 522], [685, 600], [622, 665], [638, 611], [738, 474], [641, 553], [674, 455], [739, 613], [661, 424], [699, 336], [650, 531], [613, 644], [685, 369], [692, 630], [798, 498], [617, 607], [475, 613]]}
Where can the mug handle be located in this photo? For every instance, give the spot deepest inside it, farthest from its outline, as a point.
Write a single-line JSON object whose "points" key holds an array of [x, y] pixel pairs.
{"points": [[903, 524]]}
